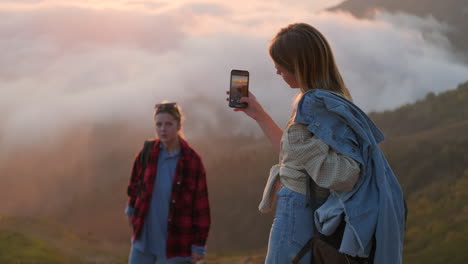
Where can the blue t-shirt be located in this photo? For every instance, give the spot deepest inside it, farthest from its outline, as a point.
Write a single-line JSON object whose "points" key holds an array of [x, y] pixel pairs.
{"points": [[154, 233]]}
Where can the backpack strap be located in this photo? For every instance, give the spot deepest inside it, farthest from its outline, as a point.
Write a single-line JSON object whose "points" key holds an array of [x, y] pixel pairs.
{"points": [[310, 195], [303, 251], [334, 240], [144, 157], [144, 160]]}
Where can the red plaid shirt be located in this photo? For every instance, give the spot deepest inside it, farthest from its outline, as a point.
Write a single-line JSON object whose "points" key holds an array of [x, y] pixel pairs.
{"points": [[189, 211]]}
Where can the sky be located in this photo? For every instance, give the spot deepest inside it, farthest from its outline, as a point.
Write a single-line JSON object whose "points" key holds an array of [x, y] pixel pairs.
{"points": [[63, 62]]}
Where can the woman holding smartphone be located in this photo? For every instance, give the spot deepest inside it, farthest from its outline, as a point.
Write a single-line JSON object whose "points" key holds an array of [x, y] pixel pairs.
{"points": [[332, 177], [168, 205]]}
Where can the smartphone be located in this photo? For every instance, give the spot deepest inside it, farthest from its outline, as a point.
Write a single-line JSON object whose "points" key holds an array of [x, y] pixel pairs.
{"points": [[239, 88]]}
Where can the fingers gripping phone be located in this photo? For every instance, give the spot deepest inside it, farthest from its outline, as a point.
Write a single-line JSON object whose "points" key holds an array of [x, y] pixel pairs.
{"points": [[239, 88]]}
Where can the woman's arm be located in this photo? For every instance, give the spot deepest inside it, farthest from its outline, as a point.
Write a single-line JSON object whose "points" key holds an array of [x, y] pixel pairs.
{"points": [[328, 168], [133, 184], [132, 188], [269, 127], [201, 209]]}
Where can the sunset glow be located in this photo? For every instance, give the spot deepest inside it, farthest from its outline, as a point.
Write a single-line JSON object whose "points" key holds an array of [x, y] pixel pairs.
{"points": [[79, 81], [204, 17], [99, 52]]}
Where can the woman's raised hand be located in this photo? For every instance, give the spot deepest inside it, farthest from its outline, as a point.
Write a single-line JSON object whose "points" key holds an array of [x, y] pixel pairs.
{"points": [[269, 127], [254, 109]]}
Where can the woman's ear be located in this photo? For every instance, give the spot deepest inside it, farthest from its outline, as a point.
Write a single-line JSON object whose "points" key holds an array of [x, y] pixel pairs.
{"points": [[179, 126]]}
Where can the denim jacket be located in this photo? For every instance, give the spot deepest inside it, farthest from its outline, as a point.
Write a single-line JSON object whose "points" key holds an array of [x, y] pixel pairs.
{"points": [[375, 205]]}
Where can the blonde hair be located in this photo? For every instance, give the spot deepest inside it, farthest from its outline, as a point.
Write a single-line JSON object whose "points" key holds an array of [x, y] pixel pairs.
{"points": [[302, 50], [174, 110]]}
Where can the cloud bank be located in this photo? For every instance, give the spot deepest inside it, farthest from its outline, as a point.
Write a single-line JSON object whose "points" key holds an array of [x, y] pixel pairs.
{"points": [[66, 65]]}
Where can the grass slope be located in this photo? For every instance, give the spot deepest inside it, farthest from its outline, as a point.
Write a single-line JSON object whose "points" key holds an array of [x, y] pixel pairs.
{"points": [[34, 240]]}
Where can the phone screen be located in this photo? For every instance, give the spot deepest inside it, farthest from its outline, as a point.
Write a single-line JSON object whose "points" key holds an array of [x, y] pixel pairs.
{"points": [[239, 88]]}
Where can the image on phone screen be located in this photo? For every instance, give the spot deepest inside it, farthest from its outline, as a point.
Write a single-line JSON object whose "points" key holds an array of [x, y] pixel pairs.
{"points": [[239, 88]]}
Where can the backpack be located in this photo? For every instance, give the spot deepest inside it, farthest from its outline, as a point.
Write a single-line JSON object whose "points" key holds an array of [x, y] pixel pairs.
{"points": [[325, 248]]}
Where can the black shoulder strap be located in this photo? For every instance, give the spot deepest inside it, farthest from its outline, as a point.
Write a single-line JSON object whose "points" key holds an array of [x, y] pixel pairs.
{"points": [[145, 153], [144, 159], [310, 195], [333, 240], [303, 251]]}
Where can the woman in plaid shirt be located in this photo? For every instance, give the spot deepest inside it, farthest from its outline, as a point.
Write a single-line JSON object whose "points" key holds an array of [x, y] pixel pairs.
{"points": [[168, 206]]}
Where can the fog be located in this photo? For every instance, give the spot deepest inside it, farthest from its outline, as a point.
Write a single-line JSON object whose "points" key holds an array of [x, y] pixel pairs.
{"points": [[65, 65]]}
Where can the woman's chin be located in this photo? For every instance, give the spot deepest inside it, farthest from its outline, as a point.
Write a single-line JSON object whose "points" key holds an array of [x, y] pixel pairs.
{"points": [[165, 139]]}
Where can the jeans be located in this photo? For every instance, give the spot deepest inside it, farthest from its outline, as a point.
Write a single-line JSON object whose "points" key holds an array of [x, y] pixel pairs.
{"points": [[292, 227]]}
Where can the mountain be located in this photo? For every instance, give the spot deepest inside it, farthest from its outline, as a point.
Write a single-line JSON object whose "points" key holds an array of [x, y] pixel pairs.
{"points": [[434, 129], [450, 12], [427, 146]]}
